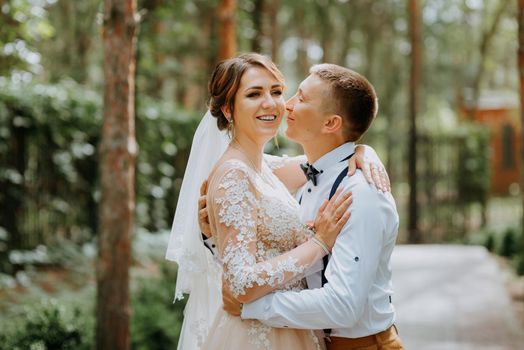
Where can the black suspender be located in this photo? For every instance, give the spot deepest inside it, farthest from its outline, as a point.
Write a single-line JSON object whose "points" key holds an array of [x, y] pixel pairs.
{"points": [[334, 188]]}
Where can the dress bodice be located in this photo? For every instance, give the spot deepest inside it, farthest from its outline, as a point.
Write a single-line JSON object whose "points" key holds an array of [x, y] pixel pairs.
{"points": [[257, 228], [256, 221]]}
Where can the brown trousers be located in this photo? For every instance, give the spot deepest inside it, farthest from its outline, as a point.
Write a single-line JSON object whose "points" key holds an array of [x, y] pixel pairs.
{"points": [[386, 340]]}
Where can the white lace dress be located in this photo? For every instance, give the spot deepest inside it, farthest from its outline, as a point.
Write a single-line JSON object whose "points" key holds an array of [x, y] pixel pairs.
{"points": [[256, 224]]}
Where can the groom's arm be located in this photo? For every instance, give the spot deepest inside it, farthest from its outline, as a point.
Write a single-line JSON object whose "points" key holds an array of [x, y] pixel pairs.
{"points": [[287, 169], [350, 274]]}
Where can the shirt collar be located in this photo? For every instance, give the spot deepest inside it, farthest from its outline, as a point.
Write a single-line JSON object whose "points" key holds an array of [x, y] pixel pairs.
{"points": [[334, 156]]}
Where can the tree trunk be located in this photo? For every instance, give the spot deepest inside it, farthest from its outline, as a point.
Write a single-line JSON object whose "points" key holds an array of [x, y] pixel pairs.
{"points": [[226, 29], [274, 28], [159, 29], [302, 65], [117, 166], [258, 24], [521, 79], [69, 55], [326, 30], [487, 37], [12, 196], [414, 234], [345, 44]]}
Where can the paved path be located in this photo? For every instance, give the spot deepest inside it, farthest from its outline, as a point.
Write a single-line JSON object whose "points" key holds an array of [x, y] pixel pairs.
{"points": [[452, 298]]}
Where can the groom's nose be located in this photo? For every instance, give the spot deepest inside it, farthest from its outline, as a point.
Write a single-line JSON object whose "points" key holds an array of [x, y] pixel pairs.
{"points": [[290, 104]]}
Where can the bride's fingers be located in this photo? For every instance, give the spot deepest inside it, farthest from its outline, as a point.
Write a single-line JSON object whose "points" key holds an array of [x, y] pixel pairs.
{"points": [[202, 202], [342, 221], [202, 213], [323, 206], [203, 188], [341, 199], [341, 209], [331, 203]]}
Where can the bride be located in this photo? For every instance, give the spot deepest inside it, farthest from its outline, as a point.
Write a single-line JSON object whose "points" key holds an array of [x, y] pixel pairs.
{"points": [[262, 245]]}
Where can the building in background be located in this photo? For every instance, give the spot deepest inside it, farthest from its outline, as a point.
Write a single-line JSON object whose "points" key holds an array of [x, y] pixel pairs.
{"points": [[499, 111]]}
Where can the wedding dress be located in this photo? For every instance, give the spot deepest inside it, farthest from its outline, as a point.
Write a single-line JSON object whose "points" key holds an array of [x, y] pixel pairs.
{"points": [[256, 223]]}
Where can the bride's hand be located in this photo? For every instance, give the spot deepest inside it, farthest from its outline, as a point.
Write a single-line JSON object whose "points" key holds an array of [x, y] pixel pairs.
{"points": [[374, 171], [332, 216], [229, 303]]}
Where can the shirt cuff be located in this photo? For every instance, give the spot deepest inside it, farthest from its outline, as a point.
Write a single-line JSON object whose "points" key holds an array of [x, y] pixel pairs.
{"points": [[256, 309]]}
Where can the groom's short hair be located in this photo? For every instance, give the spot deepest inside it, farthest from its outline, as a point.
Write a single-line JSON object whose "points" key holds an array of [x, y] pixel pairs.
{"points": [[351, 96]]}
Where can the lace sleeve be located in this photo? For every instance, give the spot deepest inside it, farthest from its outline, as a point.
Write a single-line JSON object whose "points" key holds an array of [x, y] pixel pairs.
{"points": [[287, 169], [234, 209], [279, 162]]}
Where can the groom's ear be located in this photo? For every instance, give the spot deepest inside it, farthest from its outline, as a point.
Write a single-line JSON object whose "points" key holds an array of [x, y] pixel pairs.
{"points": [[332, 124]]}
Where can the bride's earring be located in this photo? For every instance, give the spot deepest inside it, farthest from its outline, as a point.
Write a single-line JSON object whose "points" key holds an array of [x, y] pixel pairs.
{"points": [[230, 128]]}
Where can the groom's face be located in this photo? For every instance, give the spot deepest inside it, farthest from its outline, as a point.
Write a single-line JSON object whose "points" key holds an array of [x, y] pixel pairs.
{"points": [[305, 115]]}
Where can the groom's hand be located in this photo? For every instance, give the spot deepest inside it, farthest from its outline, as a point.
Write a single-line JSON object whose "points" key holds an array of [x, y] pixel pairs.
{"points": [[203, 217], [229, 303]]}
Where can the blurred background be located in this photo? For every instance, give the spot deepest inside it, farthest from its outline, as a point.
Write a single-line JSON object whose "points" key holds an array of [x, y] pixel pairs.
{"points": [[448, 131]]}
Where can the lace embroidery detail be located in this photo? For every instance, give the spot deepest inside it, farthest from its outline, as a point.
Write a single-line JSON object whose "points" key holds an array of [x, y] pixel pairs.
{"points": [[256, 221], [276, 162], [259, 335], [223, 320], [238, 208], [199, 328]]}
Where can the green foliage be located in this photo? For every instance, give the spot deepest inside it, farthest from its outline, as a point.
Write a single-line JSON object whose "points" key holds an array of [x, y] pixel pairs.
{"points": [[48, 168], [156, 321], [511, 242], [519, 264], [24, 22], [69, 324], [164, 136], [490, 242], [48, 327], [69, 318], [507, 243], [473, 173], [49, 135]]}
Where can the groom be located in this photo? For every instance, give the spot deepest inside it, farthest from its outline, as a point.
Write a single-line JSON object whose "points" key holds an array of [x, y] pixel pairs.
{"points": [[351, 299]]}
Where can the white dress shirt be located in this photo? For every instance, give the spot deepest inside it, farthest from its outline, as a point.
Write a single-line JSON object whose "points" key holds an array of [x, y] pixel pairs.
{"points": [[356, 300]]}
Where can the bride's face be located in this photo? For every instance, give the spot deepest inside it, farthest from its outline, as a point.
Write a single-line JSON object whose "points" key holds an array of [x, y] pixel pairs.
{"points": [[259, 105]]}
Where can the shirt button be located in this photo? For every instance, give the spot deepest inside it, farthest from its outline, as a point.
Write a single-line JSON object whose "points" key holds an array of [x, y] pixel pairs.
{"points": [[309, 190], [322, 171], [356, 259], [266, 308], [213, 245]]}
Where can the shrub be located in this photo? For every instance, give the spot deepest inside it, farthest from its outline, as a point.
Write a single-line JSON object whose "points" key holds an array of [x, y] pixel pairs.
{"points": [[156, 321], [49, 136], [489, 243], [510, 243], [518, 264], [48, 326]]}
